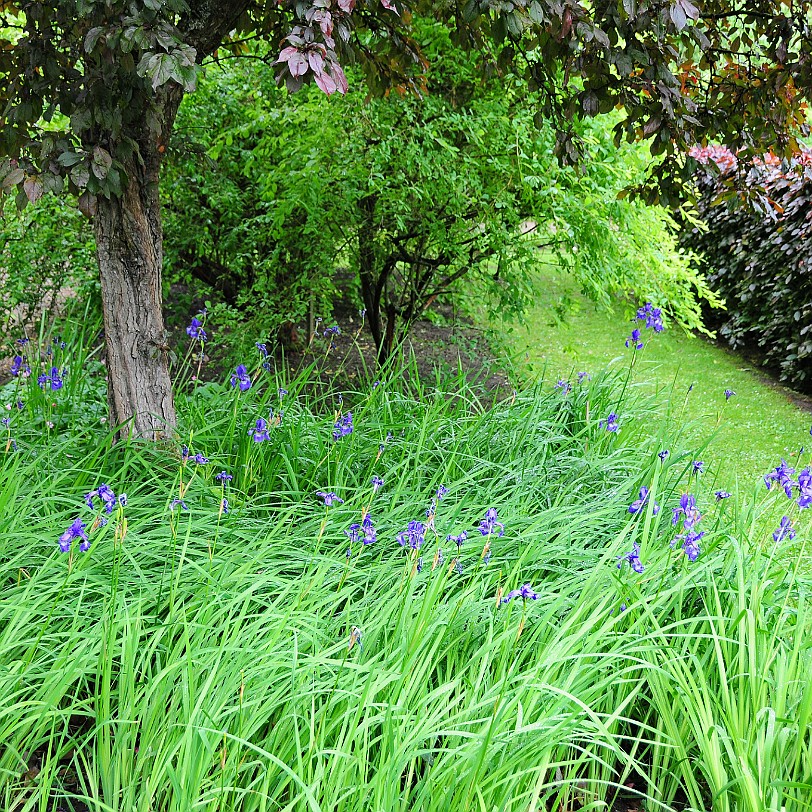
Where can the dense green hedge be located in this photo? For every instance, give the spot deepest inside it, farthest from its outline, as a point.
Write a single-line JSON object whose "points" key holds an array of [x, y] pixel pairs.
{"points": [[758, 248]]}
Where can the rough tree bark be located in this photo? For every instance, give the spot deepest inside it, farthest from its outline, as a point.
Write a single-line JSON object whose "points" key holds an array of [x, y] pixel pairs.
{"points": [[129, 246]]}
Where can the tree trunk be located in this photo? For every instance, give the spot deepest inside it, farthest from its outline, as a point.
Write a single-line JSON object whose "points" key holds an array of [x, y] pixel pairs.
{"points": [[129, 244]]}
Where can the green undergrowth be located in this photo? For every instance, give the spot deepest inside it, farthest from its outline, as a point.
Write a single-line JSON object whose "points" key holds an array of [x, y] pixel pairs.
{"points": [[750, 433], [194, 658]]}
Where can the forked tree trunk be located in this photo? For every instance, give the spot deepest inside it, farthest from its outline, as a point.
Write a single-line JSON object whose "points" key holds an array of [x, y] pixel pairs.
{"points": [[129, 244]]}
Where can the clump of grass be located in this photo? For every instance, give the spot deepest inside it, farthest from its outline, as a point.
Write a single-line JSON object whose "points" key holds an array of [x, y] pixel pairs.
{"points": [[195, 657]]}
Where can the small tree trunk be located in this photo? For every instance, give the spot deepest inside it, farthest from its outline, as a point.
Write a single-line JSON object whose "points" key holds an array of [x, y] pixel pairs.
{"points": [[129, 242]]}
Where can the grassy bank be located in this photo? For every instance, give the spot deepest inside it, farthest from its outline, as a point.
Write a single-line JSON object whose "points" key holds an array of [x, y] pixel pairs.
{"points": [[263, 657]]}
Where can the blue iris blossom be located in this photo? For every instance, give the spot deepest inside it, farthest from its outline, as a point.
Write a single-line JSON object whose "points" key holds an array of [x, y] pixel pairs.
{"points": [[75, 531], [634, 340], [195, 330], [329, 498], [633, 559], [784, 531], [413, 536], [653, 317], [343, 426], [489, 524], [639, 504], [241, 378], [526, 593], [610, 422], [260, 430], [783, 476]]}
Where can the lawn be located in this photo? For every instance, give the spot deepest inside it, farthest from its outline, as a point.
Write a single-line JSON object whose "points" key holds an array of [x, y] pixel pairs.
{"points": [[750, 433]]}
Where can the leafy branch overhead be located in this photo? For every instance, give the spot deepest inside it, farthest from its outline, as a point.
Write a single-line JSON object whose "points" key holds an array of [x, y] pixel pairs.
{"points": [[78, 78]]}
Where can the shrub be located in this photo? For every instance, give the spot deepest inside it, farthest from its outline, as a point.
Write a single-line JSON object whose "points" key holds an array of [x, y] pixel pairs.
{"points": [[47, 256], [412, 195], [758, 249]]}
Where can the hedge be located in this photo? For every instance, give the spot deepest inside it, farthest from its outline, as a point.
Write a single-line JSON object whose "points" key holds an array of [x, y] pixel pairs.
{"points": [[758, 252]]}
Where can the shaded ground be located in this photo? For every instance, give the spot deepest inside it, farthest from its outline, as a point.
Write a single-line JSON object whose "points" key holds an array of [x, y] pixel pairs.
{"points": [[436, 350]]}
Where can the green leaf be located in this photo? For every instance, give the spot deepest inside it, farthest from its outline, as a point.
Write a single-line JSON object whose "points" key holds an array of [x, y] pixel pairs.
{"points": [[67, 159], [92, 38], [13, 178]]}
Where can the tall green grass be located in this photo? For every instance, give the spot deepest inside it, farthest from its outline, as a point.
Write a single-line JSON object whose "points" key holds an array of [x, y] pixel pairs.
{"points": [[241, 661]]}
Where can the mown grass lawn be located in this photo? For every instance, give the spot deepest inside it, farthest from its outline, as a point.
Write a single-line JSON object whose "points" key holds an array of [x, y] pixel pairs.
{"points": [[750, 433]]}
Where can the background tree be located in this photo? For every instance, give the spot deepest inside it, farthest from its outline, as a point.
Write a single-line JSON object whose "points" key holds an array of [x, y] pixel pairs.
{"points": [[90, 89], [413, 195]]}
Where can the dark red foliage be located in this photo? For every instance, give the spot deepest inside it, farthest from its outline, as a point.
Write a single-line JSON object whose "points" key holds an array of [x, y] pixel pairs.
{"points": [[758, 249]]}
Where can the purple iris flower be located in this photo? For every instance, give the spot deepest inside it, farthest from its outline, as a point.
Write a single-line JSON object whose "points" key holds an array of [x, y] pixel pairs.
{"points": [[343, 426], [526, 593], [805, 488], [16, 365], [365, 532], [489, 524], [413, 536], [653, 317], [783, 476], [260, 431], [263, 349], [729, 394], [223, 476], [241, 377], [458, 540], [634, 340], [610, 422], [784, 531], [178, 502], [195, 330], [721, 495], [698, 467], [75, 531], [377, 483], [224, 508], [690, 544], [639, 504], [105, 494], [633, 557], [329, 498], [441, 492], [564, 385], [583, 376], [663, 454], [688, 510]]}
